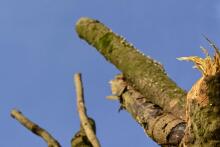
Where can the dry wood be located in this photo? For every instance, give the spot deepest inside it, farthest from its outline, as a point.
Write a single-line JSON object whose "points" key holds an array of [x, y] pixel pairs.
{"points": [[82, 112], [34, 128]]}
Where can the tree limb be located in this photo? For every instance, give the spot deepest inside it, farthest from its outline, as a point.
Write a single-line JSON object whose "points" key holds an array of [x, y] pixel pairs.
{"points": [[82, 112], [141, 72], [34, 128], [163, 127]]}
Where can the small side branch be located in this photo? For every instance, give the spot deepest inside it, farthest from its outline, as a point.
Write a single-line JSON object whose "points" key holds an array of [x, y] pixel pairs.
{"points": [[82, 112], [34, 128]]}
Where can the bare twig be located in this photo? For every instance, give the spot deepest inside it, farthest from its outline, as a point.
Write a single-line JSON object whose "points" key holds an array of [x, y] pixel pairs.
{"points": [[82, 112], [34, 128]]}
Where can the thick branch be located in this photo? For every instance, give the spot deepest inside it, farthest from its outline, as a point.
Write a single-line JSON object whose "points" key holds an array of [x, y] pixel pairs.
{"points": [[203, 109], [82, 112], [34, 128], [162, 127], [203, 103], [143, 73]]}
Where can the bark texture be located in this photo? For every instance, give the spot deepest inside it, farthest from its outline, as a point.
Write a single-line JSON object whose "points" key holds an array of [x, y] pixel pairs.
{"points": [[203, 103], [203, 113], [160, 108], [143, 73], [163, 127]]}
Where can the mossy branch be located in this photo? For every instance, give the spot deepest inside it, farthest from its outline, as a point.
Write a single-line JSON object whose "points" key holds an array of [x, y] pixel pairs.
{"points": [[143, 73]]}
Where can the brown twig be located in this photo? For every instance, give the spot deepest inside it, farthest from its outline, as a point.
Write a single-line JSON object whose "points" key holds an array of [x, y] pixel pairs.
{"points": [[34, 128], [82, 112]]}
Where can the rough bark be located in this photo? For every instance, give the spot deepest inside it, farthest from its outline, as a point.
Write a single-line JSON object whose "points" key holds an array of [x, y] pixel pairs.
{"points": [[203, 113], [203, 103], [161, 96], [143, 73], [163, 127], [150, 96]]}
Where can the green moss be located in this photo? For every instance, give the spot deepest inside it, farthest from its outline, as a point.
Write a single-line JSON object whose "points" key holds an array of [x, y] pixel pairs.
{"points": [[142, 72], [104, 42]]}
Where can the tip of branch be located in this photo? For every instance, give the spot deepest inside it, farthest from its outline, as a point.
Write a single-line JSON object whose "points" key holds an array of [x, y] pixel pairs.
{"points": [[84, 21], [14, 112], [77, 74]]}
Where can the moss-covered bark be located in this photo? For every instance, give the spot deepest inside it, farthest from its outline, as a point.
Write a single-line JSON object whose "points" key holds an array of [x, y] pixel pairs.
{"points": [[203, 103], [203, 113], [143, 73], [148, 77]]}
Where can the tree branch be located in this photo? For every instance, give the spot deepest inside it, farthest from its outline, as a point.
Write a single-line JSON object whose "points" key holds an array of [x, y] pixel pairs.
{"points": [[143, 73], [80, 139], [34, 128], [163, 127], [82, 112]]}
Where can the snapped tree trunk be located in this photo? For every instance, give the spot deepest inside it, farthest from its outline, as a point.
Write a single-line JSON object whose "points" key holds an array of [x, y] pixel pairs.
{"points": [[199, 110], [167, 115], [203, 103]]}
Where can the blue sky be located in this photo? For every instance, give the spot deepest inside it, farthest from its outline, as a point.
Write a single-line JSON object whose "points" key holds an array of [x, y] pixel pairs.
{"points": [[40, 52]]}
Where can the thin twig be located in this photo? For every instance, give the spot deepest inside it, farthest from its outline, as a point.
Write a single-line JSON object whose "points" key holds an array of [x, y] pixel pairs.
{"points": [[34, 128], [82, 112]]}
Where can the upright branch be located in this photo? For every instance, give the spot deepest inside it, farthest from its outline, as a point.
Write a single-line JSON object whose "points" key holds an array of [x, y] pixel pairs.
{"points": [[85, 121], [34, 128], [141, 72]]}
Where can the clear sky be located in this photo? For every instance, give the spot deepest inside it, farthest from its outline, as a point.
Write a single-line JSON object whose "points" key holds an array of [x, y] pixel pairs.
{"points": [[40, 51]]}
